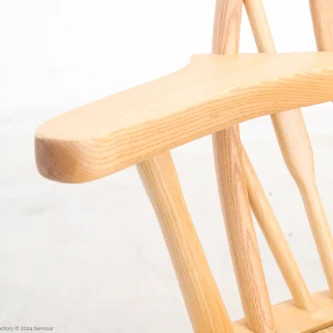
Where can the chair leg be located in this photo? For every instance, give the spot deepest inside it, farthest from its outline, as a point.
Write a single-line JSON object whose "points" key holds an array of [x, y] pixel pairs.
{"points": [[202, 298]]}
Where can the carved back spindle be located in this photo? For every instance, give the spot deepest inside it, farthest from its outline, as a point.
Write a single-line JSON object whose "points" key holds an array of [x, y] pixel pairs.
{"points": [[294, 140], [284, 123], [322, 17]]}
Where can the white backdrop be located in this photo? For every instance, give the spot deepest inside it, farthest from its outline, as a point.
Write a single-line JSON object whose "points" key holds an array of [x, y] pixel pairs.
{"points": [[90, 258]]}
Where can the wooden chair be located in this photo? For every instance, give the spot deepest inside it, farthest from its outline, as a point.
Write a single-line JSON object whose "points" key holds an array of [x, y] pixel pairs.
{"points": [[212, 95]]}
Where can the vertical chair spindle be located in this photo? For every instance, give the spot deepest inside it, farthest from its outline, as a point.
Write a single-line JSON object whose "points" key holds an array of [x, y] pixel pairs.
{"points": [[296, 148], [233, 195], [275, 238], [322, 17], [200, 292], [287, 125]]}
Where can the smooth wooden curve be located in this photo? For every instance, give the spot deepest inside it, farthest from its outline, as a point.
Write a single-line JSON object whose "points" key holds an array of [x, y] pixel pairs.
{"points": [[326, 330], [212, 93], [241, 234], [322, 16], [275, 238], [233, 195], [296, 149], [200, 292], [291, 319]]}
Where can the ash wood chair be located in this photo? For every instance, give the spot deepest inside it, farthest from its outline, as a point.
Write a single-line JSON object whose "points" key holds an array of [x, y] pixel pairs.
{"points": [[212, 95]]}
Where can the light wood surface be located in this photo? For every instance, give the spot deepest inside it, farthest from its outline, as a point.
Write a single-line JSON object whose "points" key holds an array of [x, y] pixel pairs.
{"points": [[294, 140], [200, 292], [212, 93], [233, 194], [226, 30], [240, 231], [287, 125], [322, 17], [301, 161], [275, 238], [291, 319], [327, 330], [320, 229], [297, 152]]}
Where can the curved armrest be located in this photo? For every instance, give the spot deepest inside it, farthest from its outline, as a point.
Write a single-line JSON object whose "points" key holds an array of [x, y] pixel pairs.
{"points": [[211, 93]]}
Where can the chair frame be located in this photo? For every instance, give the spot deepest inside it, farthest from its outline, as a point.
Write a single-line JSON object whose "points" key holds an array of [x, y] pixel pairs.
{"points": [[240, 192]]}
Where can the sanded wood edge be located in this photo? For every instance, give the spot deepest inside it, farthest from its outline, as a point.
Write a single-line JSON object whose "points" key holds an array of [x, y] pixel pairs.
{"points": [[291, 319], [326, 330]]}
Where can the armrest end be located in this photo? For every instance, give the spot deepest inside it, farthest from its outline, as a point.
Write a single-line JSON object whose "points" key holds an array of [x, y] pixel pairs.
{"points": [[210, 94]]}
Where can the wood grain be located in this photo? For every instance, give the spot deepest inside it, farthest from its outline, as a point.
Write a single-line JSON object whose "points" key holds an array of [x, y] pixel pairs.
{"points": [[201, 295], [212, 93], [240, 231], [291, 319], [227, 23], [322, 17], [275, 238], [327, 330], [233, 195], [296, 150]]}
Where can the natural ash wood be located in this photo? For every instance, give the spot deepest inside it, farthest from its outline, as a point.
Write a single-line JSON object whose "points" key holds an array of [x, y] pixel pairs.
{"points": [[233, 195], [240, 231], [291, 319], [201, 295], [275, 238], [322, 17], [320, 229], [227, 22], [326, 330], [259, 25], [297, 152], [208, 96], [296, 149], [212, 93]]}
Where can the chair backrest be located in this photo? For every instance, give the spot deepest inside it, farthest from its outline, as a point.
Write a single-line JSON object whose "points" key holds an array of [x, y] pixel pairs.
{"points": [[240, 191]]}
